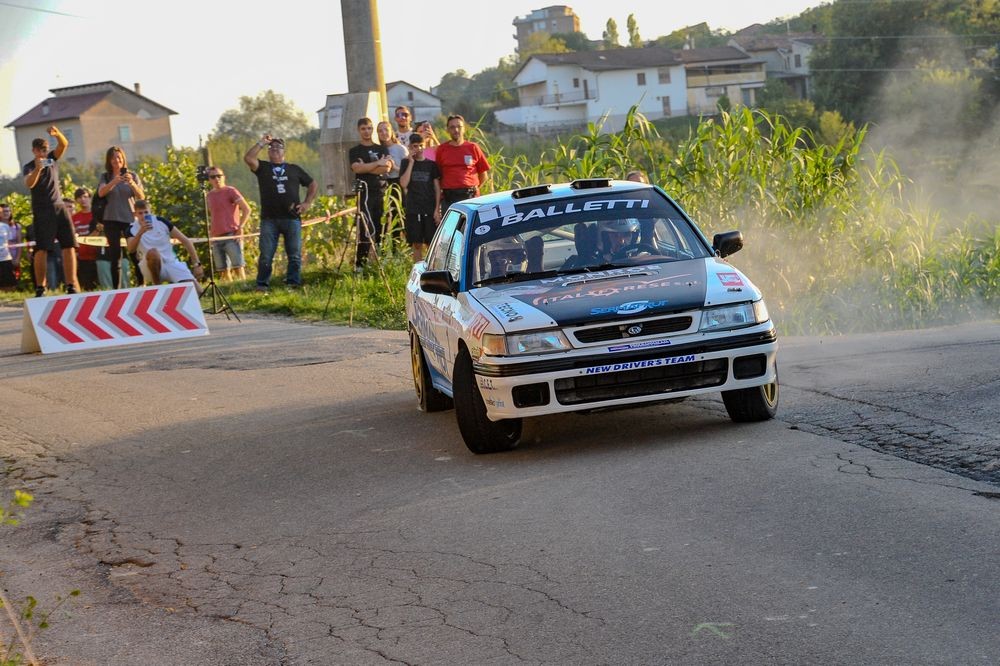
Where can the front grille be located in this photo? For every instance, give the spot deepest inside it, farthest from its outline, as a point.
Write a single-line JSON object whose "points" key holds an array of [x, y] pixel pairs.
{"points": [[645, 381], [619, 331]]}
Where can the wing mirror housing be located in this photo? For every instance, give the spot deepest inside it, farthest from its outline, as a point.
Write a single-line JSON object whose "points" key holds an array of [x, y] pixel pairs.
{"points": [[727, 243], [438, 282]]}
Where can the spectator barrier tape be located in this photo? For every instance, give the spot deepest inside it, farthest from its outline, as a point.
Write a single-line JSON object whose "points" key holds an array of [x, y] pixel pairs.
{"points": [[111, 318], [101, 241]]}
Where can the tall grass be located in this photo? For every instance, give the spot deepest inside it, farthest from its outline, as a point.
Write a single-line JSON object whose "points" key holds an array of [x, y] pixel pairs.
{"points": [[835, 234]]}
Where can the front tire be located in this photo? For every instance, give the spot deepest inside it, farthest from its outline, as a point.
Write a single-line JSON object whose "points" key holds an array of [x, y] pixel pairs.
{"points": [[480, 434], [758, 403], [429, 399]]}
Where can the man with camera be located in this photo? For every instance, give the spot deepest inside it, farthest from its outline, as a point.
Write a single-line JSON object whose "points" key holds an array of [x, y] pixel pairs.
{"points": [[229, 212], [52, 220], [280, 209], [149, 237], [370, 163]]}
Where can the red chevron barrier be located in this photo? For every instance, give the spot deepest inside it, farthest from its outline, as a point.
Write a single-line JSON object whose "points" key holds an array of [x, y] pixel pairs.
{"points": [[110, 318]]}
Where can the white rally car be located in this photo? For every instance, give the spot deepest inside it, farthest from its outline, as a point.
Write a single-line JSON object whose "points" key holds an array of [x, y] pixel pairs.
{"points": [[590, 295]]}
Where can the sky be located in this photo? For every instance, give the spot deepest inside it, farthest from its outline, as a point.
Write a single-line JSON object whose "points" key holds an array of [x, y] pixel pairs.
{"points": [[198, 58]]}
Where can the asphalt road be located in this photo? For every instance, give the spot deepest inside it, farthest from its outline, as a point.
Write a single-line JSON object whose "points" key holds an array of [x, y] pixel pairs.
{"points": [[270, 495]]}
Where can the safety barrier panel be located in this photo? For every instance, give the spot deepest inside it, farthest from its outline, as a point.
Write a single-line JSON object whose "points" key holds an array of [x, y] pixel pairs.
{"points": [[111, 318]]}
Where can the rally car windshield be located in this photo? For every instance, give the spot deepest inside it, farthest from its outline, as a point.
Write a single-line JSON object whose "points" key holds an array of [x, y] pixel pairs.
{"points": [[582, 234]]}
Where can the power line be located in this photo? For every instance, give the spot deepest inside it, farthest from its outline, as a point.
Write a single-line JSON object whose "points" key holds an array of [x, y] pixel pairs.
{"points": [[39, 9]]}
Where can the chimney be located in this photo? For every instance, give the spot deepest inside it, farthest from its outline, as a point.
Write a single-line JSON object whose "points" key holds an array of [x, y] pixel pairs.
{"points": [[138, 88]]}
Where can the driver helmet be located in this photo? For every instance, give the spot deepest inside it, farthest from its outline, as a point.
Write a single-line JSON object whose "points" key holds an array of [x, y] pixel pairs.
{"points": [[506, 255], [617, 233]]}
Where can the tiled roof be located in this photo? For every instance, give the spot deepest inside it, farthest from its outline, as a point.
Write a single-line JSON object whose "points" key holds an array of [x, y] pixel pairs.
{"points": [[595, 61], [59, 108], [688, 56], [68, 103]]}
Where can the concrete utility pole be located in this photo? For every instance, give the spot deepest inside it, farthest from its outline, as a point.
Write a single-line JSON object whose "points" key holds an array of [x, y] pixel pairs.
{"points": [[363, 49]]}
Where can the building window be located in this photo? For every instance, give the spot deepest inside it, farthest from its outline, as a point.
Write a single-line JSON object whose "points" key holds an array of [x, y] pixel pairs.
{"points": [[124, 134], [640, 78], [409, 96], [664, 74], [715, 91], [576, 83], [68, 133], [798, 60], [666, 106]]}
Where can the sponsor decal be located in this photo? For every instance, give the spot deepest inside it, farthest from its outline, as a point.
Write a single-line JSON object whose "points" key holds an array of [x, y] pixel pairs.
{"points": [[601, 275], [632, 307], [494, 403], [486, 383], [639, 345], [580, 290], [639, 365], [490, 213], [507, 311], [478, 326], [730, 279], [482, 229], [568, 208]]}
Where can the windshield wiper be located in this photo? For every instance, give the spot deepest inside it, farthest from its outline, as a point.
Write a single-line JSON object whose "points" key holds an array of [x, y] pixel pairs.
{"points": [[514, 277]]}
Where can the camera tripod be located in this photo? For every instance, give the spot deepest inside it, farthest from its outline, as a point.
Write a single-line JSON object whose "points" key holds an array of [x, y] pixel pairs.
{"points": [[365, 227], [219, 301]]}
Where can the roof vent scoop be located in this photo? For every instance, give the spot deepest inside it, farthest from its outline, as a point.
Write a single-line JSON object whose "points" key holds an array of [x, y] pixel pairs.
{"points": [[535, 191], [590, 183]]}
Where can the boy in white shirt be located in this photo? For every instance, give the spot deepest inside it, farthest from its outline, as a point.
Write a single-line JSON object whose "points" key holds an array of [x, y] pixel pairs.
{"points": [[149, 236]]}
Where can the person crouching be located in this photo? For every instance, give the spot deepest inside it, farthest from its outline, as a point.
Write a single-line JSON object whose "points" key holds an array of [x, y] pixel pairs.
{"points": [[149, 237]]}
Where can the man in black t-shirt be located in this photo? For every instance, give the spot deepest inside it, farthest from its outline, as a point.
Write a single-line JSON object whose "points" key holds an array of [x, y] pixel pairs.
{"points": [[369, 162], [421, 182], [280, 209], [51, 219]]}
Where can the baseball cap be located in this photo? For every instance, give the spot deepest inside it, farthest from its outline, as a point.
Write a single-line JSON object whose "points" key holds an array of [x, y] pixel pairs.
{"points": [[280, 142]]}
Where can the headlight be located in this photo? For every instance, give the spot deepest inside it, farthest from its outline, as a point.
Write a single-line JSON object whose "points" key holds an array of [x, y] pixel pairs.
{"points": [[538, 342], [733, 316]]}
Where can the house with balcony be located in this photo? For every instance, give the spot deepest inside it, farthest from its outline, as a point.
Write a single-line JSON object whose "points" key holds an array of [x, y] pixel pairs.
{"points": [[724, 71], [565, 91], [95, 116], [786, 55]]}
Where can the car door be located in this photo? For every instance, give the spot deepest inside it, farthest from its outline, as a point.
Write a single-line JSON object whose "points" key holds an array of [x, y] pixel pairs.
{"points": [[435, 308], [450, 305]]}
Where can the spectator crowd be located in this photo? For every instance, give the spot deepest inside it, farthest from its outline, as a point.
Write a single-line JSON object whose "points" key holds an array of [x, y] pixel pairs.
{"points": [[401, 173]]}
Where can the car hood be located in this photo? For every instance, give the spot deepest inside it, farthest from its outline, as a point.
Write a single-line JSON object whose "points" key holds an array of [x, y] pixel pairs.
{"points": [[615, 295]]}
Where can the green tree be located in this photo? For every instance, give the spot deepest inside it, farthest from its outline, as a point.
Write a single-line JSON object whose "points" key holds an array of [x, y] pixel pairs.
{"points": [[267, 113], [634, 40], [610, 36], [698, 35], [541, 42], [575, 41]]}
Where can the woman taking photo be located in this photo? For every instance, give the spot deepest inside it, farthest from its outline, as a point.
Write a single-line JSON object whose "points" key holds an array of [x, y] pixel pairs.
{"points": [[121, 188]]}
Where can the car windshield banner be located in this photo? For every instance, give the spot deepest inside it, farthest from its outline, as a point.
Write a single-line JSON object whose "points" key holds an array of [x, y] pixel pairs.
{"points": [[508, 218]]}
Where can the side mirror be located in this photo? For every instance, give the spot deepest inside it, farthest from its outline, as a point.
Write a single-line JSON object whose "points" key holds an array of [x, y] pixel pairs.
{"points": [[728, 243], [438, 282]]}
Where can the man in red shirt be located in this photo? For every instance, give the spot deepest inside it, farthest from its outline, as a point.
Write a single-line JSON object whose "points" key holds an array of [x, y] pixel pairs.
{"points": [[462, 164], [229, 212], [86, 255]]}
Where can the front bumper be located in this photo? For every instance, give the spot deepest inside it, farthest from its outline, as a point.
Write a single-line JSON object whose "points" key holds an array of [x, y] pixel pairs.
{"points": [[583, 379]]}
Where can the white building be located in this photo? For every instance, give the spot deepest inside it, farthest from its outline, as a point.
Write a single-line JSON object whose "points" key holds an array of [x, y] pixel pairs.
{"points": [[568, 90], [422, 104], [787, 55]]}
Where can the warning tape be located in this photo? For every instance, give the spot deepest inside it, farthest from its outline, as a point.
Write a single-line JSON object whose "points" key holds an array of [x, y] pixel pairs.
{"points": [[101, 241]]}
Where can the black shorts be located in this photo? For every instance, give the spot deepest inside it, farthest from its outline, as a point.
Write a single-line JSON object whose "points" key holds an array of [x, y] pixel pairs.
{"points": [[7, 278], [52, 225], [420, 227]]}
